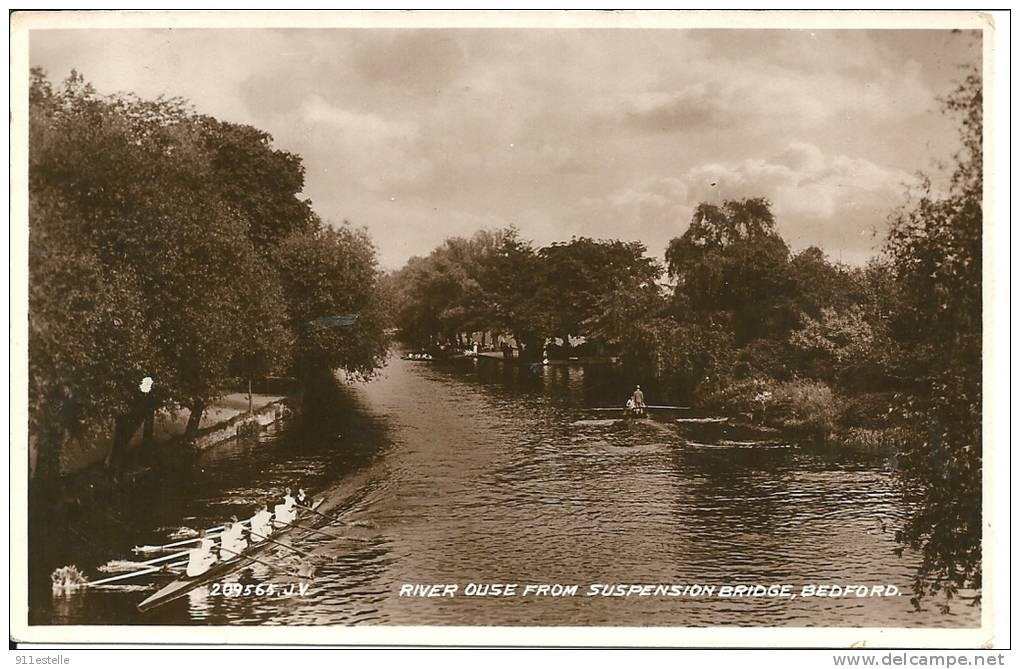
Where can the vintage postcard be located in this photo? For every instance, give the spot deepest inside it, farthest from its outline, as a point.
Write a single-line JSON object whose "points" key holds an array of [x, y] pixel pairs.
{"points": [[506, 328]]}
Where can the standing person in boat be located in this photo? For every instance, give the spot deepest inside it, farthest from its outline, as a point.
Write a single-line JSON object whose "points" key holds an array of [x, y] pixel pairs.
{"points": [[201, 557], [232, 541], [261, 523], [638, 400]]}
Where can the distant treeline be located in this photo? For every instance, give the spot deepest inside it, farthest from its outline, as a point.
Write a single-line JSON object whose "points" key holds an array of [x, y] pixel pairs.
{"points": [[886, 355], [170, 245]]}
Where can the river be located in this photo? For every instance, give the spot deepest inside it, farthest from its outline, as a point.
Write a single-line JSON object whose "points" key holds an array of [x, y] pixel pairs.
{"points": [[477, 472]]}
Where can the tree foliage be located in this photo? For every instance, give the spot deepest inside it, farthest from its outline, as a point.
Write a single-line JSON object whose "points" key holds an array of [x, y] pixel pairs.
{"points": [[261, 183], [152, 232], [498, 282], [333, 271], [575, 276], [935, 249], [732, 260]]}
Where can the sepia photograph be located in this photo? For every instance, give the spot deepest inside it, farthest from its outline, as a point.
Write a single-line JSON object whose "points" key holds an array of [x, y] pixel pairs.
{"points": [[510, 328]]}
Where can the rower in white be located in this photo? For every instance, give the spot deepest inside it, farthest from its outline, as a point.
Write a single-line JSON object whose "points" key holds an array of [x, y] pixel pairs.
{"points": [[261, 523], [232, 541], [286, 511], [201, 557]]}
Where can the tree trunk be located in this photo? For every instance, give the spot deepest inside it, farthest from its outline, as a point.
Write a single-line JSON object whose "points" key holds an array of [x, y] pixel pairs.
{"points": [[124, 427], [47, 458], [148, 428], [194, 421]]}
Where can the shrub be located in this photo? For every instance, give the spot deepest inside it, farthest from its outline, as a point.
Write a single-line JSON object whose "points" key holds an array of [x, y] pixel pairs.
{"points": [[800, 404], [803, 405], [871, 410], [888, 440], [739, 397]]}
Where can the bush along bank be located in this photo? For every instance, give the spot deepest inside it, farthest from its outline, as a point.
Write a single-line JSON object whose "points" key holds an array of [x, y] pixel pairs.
{"points": [[866, 422]]}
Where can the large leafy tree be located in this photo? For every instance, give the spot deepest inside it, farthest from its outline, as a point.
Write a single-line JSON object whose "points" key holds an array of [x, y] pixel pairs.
{"points": [[732, 261], [441, 295], [575, 276], [260, 182], [935, 249], [123, 194], [509, 277], [329, 273]]}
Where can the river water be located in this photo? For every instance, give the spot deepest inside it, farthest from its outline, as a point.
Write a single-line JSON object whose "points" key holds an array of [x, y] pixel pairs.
{"points": [[474, 472]]}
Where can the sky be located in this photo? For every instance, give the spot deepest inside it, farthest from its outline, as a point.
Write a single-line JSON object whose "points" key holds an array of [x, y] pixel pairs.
{"points": [[420, 135]]}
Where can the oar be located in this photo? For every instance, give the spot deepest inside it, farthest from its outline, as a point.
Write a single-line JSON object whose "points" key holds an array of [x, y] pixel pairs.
{"points": [[325, 534], [184, 542], [268, 564], [124, 577], [280, 543], [317, 513], [165, 558], [330, 518]]}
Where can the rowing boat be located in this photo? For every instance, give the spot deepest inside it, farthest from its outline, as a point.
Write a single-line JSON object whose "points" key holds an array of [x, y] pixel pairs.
{"points": [[186, 584], [628, 412]]}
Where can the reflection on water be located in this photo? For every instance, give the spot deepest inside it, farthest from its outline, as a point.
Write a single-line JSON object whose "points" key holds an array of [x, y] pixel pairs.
{"points": [[477, 472]]}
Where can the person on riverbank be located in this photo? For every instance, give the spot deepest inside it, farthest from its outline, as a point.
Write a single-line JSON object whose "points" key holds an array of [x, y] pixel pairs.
{"points": [[261, 523], [201, 557], [232, 541], [638, 398]]}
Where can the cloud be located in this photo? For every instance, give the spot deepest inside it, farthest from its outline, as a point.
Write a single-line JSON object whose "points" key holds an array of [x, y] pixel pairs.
{"points": [[769, 80], [422, 61], [704, 104], [420, 134], [836, 202]]}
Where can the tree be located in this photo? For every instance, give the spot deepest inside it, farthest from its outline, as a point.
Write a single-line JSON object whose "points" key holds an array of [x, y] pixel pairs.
{"points": [[732, 260], [622, 319], [837, 340], [934, 246], [819, 284], [574, 277], [122, 190], [509, 278], [261, 183], [332, 272], [440, 294], [88, 345]]}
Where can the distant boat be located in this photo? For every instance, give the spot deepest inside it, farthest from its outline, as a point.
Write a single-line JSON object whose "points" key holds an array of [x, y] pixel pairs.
{"points": [[658, 407], [419, 356]]}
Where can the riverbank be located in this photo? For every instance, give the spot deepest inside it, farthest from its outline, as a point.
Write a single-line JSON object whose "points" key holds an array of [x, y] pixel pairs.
{"points": [[224, 419], [864, 422]]}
